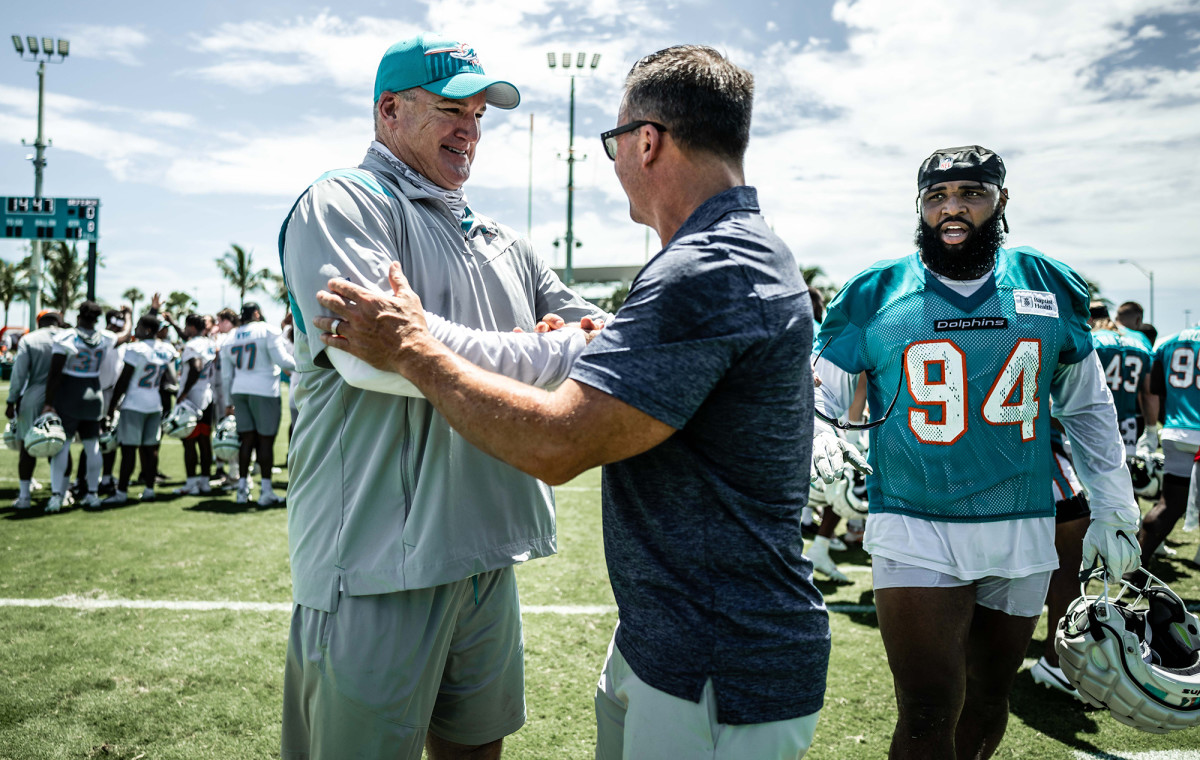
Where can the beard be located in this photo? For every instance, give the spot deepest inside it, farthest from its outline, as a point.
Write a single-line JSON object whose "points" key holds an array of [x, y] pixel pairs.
{"points": [[968, 260]]}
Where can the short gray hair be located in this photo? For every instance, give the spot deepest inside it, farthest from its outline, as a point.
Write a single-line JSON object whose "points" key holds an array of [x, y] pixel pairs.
{"points": [[703, 99]]}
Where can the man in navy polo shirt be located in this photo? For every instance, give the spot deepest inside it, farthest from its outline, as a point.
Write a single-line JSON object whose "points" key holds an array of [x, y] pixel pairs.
{"points": [[697, 399]]}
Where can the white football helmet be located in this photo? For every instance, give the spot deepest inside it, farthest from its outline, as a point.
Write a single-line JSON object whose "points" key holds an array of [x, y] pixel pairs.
{"points": [[1140, 659], [1147, 475], [182, 420], [108, 434], [10, 436], [225, 441], [47, 437], [846, 495]]}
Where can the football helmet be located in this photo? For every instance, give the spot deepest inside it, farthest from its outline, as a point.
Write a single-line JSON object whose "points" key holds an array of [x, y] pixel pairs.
{"points": [[47, 437], [846, 495], [10, 436], [1147, 474], [1140, 659], [108, 434], [181, 421], [225, 441]]}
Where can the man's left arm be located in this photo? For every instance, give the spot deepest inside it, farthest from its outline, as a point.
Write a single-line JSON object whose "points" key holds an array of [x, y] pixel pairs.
{"points": [[553, 436], [1083, 403]]}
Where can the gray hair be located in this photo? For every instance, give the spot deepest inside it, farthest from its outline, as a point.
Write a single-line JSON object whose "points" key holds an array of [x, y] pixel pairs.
{"points": [[702, 98]]}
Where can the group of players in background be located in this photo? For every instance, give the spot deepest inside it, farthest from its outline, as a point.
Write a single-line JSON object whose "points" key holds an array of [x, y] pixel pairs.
{"points": [[117, 387]]}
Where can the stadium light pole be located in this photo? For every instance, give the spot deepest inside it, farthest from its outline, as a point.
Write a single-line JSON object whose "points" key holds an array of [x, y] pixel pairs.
{"points": [[581, 65], [48, 50], [1150, 274]]}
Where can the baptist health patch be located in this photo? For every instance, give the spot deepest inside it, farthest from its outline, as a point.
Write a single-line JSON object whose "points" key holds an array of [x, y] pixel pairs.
{"points": [[1037, 302]]}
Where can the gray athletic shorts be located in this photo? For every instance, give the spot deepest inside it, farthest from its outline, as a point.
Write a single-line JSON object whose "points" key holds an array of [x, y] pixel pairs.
{"points": [[1178, 458], [372, 678], [257, 414], [139, 428], [1020, 597], [635, 721]]}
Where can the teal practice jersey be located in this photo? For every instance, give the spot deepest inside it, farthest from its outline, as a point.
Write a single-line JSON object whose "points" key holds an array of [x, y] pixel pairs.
{"points": [[969, 437], [1126, 361], [1177, 358]]}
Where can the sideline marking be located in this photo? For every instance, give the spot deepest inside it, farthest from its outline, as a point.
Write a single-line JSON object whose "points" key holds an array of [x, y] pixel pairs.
{"points": [[87, 603], [1158, 754], [73, 602]]}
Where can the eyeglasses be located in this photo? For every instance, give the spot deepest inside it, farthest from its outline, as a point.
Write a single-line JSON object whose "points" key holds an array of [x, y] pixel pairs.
{"points": [[852, 425], [609, 138]]}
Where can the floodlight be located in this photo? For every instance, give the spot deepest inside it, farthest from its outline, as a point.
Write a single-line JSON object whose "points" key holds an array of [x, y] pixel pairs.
{"points": [[64, 47], [48, 45], [595, 60], [566, 60], [580, 60], [20, 46], [550, 57], [32, 44]]}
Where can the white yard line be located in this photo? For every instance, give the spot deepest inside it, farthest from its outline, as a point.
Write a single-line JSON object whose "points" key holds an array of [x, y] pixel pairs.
{"points": [[73, 602], [1158, 754], [86, 603]]}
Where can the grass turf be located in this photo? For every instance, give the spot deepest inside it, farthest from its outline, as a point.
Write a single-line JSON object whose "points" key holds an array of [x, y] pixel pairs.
{"points": [[156, 683]]}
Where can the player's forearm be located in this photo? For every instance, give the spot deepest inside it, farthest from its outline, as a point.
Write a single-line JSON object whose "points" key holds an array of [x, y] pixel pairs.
{"points": [[531, 429]]}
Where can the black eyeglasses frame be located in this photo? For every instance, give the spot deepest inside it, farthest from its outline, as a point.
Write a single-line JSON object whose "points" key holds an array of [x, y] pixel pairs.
{"points": [[609, 138]]}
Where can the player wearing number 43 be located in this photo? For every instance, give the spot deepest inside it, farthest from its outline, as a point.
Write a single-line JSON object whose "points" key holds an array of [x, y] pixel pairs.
{"points": [[978, 344]]}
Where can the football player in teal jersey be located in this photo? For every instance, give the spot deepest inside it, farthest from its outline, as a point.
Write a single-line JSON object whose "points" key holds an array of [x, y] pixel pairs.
{"points": [[1126, 360], [1175, 378], [965, 346]]}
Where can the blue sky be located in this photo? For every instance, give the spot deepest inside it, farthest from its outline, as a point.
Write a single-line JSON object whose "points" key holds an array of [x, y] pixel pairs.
{"points": [[197, 125]]}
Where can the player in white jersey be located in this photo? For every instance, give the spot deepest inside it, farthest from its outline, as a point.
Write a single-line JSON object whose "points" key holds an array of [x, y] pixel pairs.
{"points": [[118, 321], [142, 392], [27, 392], [196, 387], [250, 364], [73, 390], [221, 331]]}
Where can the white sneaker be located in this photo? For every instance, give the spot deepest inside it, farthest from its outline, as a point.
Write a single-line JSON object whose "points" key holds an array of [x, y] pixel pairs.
{"points": [[267, 499], [118, 498], [837, 545], [22, 502], [91, 501], [243, 496], [1052, 678], [819, 554], [191, 489], [35, 485], [148, 494], [55, 503], [1164, 551]]}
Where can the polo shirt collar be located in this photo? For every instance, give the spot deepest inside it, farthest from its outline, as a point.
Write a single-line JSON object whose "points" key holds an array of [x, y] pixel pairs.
{"points": [[740, 198]]}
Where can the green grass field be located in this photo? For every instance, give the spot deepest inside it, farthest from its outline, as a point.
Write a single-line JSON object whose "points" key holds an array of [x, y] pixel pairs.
{"points": [[159, 683]]}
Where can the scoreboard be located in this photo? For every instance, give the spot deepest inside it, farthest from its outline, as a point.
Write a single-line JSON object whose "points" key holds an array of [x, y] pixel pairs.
{"points": [[51, 218]]}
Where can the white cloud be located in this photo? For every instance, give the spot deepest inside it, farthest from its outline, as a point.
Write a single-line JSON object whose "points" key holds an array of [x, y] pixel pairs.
{"points": [[113, 43], [1149, 32]]}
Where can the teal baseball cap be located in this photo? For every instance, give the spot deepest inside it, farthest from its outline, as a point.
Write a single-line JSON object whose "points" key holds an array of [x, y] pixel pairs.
{"points": [[442, 66]]}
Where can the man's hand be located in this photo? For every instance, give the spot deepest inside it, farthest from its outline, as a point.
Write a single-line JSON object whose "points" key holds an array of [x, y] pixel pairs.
{"points": [[1114, 542], [831, 454], [1147, 444], [47, 409], [381, 330], [229, 410], [156, 302], [10, 411]]}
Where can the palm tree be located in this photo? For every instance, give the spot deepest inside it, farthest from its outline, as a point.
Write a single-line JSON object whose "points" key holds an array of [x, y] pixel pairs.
{"points": [[816, 277], [133, 295], [10, 286], [237, 266], [64, 277], [278, 287], [180, 303]]}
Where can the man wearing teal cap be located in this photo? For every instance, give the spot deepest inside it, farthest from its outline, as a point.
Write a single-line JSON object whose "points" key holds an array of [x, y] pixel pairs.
{"points": [[406, 631]]}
